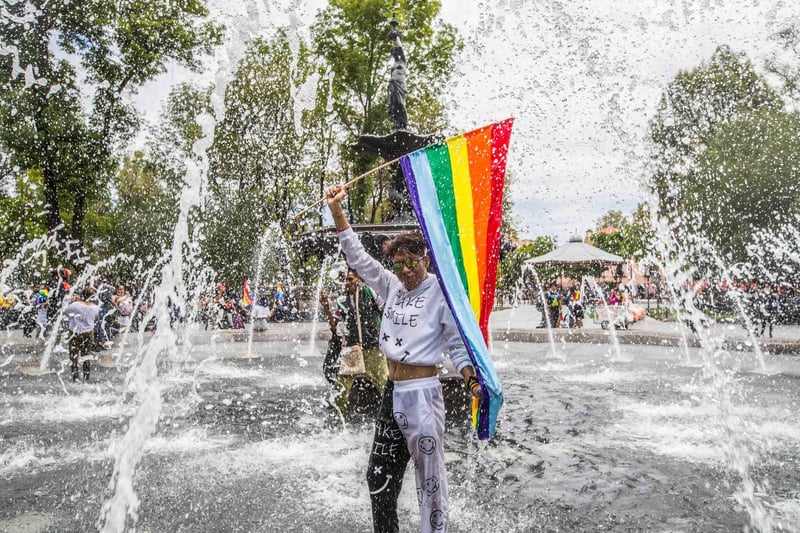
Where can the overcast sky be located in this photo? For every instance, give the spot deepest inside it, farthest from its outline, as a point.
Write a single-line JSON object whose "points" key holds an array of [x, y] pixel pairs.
{"points": [[581, 77]]}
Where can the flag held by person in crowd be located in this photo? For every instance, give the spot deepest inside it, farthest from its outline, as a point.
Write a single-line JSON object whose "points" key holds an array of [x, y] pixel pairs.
{"points": [[456, 188], [247, 296]]}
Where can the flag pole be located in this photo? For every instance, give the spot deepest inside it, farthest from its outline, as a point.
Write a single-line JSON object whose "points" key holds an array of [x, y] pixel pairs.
{"points": [[352, 181]]}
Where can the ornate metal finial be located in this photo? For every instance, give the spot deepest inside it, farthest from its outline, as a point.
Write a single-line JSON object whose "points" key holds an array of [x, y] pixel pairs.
{"points": [[400, 141], [394, 35], [396, 98]]}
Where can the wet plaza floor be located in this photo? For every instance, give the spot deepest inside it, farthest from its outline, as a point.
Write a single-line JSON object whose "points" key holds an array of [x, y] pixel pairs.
{"points": [[587, 441]]}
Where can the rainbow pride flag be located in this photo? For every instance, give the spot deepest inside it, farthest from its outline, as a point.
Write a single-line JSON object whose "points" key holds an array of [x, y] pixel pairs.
{"points": [[456, 189], [247, 296]]}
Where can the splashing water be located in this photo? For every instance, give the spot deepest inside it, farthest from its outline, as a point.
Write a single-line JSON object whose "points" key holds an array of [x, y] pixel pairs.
{"points": [[312, 341], [545, 311], [559, 37], [143, 375], [612, 326], [270, 239], [722, 388]]}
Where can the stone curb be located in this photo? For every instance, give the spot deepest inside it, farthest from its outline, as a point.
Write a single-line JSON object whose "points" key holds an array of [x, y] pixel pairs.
{"points": [[588, 336], [648, 338]]}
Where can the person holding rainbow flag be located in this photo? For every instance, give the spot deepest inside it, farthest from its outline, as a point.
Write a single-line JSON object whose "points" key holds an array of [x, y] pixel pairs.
{"points": [[280, 308], [416, 328]]}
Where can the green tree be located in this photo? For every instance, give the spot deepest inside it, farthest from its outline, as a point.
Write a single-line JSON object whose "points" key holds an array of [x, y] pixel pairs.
{"points": [[114, 48], [173, 138], [698, 101], [642, 234], [511, 222], [351, 37], [750, 177], [21, 217], [261, 162], [612, 241], [512, 269], [694, 110], [612, 219], [318, 134], [633, 237], [142, 218]]}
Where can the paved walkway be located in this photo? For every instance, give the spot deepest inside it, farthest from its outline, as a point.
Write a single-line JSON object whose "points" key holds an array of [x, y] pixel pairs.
{"points": [[521, 324], [517, 324]]}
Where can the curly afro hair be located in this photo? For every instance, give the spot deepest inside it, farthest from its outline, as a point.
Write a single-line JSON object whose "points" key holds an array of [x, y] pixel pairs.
{"points": [[409, 242]]}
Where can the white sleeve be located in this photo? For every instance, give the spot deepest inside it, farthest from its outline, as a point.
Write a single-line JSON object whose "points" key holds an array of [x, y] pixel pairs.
{"points": [[380, 302], [454, 344], [368, 268]]}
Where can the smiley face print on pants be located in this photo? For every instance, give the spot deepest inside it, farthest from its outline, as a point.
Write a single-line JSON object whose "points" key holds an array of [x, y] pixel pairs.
{"points": [[437, 520], [401, 420], [431, 485], [427, 445]]}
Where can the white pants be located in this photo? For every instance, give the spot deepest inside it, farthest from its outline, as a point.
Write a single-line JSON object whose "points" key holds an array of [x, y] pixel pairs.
{"points": [[418, 410]]}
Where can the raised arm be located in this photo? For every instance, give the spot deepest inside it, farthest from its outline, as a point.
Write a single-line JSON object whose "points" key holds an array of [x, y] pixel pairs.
{"points": [[369, 269], [326, 306], [334, 196]]}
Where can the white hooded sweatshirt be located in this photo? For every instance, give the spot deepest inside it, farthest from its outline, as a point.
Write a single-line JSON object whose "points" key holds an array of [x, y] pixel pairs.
{"points": [[417, 326]]}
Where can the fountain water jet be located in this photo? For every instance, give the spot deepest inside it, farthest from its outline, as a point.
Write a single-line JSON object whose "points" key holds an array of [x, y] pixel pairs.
{"points": [[545, 311], [270, 236], [123, 501], [312, 348], [612, 328], [500, 461], [723, 388]]}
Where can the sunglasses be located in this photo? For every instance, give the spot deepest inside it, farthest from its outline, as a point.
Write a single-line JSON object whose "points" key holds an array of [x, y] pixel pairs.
{"points": [[410, 263]]}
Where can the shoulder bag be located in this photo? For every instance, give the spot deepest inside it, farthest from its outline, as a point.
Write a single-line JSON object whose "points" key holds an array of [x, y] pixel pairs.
{"points": [[353, 356]]}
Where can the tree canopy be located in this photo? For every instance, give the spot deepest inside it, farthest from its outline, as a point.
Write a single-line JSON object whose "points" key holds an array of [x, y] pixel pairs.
{"points": [[263, 159], [66, 54], [786, 65], [724, 158], [350, 36], [751, 176], [291, 112], [632, 238]]}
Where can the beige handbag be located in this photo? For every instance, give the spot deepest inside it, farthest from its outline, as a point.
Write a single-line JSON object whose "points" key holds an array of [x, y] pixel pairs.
{"points": [[353, 356]]}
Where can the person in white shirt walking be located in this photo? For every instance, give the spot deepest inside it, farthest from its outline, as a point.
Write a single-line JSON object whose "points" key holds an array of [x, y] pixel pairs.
{"points": [[261, 314], [81, 315]]}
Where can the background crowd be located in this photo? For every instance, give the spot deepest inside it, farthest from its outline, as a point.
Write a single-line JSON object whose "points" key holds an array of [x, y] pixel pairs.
{"points": [[37, 310]]}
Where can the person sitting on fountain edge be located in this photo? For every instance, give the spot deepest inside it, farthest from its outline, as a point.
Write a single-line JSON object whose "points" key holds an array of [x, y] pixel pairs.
{"points": [[417, 327], [342, 320]]}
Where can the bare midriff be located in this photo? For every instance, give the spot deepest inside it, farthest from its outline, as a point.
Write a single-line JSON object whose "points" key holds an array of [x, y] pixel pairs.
{"points": [[402, 372]]}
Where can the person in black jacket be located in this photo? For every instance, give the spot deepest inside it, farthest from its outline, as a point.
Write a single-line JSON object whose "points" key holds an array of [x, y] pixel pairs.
{"points": [[769, 309], [58, 287], [342, 318]]}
